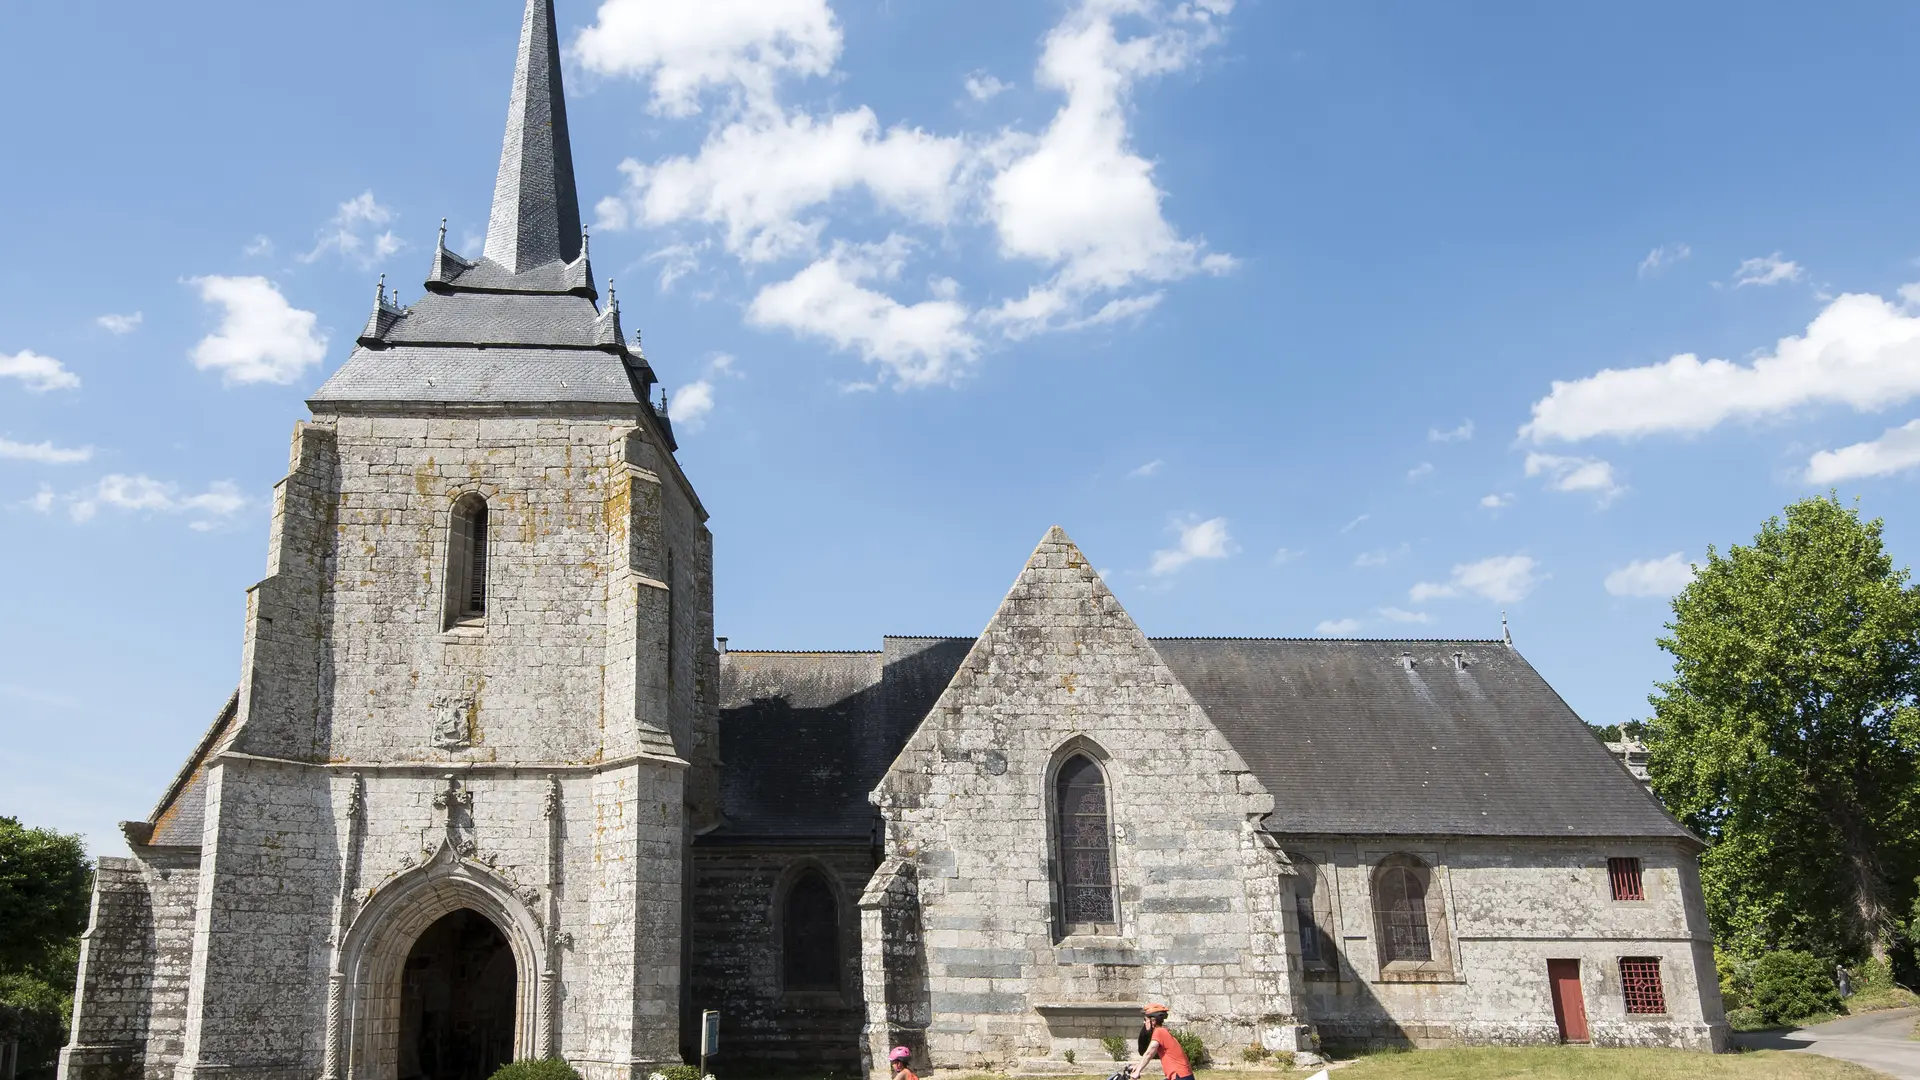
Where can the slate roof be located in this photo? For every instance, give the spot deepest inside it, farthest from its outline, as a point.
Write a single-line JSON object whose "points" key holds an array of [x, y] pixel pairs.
{"points": [[1395, 737], [532, 289], [178, 820], [804, 736], [1347, 739]]}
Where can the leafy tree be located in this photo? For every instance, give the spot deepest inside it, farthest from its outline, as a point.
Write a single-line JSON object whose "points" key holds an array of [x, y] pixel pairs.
{"points": [[45, 884], [1789, 736]]}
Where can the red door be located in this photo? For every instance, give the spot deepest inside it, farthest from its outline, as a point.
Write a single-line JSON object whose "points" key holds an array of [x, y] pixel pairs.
{"points": [[1569, 1008]]}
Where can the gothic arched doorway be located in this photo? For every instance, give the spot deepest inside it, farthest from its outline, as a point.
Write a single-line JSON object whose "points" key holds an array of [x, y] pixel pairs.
{"points": [[457, 1001]]}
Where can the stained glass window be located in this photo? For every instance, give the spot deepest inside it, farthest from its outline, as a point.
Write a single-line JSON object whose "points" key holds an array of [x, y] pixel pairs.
{"points": [[1086, 846]]}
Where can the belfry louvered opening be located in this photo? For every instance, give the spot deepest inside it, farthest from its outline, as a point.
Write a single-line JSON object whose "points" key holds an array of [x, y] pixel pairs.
{"points": [[467, 562]]}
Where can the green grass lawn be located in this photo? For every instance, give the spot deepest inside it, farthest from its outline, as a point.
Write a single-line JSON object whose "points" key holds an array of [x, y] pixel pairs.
{"points": [[1583, 1063]]}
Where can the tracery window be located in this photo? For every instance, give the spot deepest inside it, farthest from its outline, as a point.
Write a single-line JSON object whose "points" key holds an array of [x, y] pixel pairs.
{"points": [[1400, 898], [1313, 908], [1085, 862], [467, 562], [810, 934]]}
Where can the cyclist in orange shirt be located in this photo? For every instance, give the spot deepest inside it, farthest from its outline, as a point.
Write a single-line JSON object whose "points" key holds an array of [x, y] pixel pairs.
{"points": [[898, 1058], [1157, 1042]]}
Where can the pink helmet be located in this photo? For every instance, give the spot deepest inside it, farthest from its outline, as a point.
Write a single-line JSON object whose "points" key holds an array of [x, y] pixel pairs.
{"points": [[899, 1053]]}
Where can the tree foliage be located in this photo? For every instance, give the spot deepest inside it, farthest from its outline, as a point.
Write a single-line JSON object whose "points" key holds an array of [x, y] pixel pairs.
{"points": [[1789, 737], [45, 885]]}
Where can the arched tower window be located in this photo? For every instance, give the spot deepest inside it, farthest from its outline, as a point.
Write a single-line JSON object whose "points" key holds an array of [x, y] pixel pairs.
{"points": [[1085, 860], [467, 562], [810, 934], [1400, 898]]}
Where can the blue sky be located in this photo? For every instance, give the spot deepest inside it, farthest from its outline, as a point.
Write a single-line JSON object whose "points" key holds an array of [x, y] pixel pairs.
{"points": [[1301, 318]]}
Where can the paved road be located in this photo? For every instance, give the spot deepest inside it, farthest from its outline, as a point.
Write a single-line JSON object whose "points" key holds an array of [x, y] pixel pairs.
{"points": [[1878, 1040]]}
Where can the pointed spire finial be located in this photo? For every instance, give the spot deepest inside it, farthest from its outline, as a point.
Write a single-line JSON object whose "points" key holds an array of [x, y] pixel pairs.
{"points": [[663, 401], [443, 232], [536, 208], [380, 290], [1505, 634]]}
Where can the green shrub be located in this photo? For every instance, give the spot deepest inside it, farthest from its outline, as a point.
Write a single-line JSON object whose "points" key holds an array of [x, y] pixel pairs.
{"points": [[1196, 1050], [1255, 1054], [1792, 986], [1069, 1056], [1736, 978], [536, 1069], [1283, 1059], [1872, 977], [680, 1072], [1116, 1047]]}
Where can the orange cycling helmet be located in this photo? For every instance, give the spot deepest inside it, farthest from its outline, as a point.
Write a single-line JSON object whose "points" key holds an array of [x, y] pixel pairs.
{"points": [[1155, 1010]]}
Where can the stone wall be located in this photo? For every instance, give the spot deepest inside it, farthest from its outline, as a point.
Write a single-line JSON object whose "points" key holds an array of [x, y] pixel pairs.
{"points": [[1500, 910], [737, 955], [131, 996], [1061, 668]]}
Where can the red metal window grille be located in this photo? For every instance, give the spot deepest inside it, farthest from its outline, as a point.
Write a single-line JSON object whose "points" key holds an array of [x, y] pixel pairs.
{"points": [[1640, 985], [1625, 876]]}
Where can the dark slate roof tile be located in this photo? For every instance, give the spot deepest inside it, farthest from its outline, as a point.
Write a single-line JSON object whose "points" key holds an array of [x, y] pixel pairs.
{"points": [[414, 373], [1350, 739]]}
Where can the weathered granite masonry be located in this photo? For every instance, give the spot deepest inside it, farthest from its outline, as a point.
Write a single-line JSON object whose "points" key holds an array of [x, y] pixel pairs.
{"points": [[1062, 669], [642, 817]]}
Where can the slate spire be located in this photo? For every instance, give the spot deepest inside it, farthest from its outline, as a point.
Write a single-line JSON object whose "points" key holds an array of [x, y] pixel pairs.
{"points": [[536, 210]]}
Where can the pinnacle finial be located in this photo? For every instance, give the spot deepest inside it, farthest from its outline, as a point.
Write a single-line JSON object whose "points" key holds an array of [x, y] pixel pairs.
{"points": [[536, 208], [584, 238], [443, 233], [613, 298], [380, 290], [1506, 635], [663, 401]]}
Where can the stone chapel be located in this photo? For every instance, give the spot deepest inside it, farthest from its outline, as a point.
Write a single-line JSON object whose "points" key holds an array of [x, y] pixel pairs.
{"points": [[490, 788]]}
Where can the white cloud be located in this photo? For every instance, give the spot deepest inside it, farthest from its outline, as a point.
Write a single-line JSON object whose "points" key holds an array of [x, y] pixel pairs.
{"points": [[1575, 474], [1896, 450], [221, 499], [742, 47], [1400, 615], [42, 501], [1861, 351], [120, 324], [1651, 577], [1459, 434], [1381, 557], [917, 345], [1496, 500], [1076, 197], [259, 245], [39, 374], [1198, 540], [730, 185], [691, 407], [1504, 579], [1767, 270], [350, 233], [44, 453], [984, 87], [1420, 471], [676, 260], [1337, 627], [1286, 555], [1354, 524], [261, 337], [1151, 468], [1662, 257]]}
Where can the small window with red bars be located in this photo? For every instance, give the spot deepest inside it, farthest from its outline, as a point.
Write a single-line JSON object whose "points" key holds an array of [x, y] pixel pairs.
{"points": [[1640, 985], [1624, 874]]}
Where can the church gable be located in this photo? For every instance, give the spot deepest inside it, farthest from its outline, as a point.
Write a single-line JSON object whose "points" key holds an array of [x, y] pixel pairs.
{"points": [[1080, 831]]}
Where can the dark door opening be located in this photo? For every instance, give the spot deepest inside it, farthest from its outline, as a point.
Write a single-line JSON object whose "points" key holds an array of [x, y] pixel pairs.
{"points": [[457, 1001], [1569, 1006]]}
